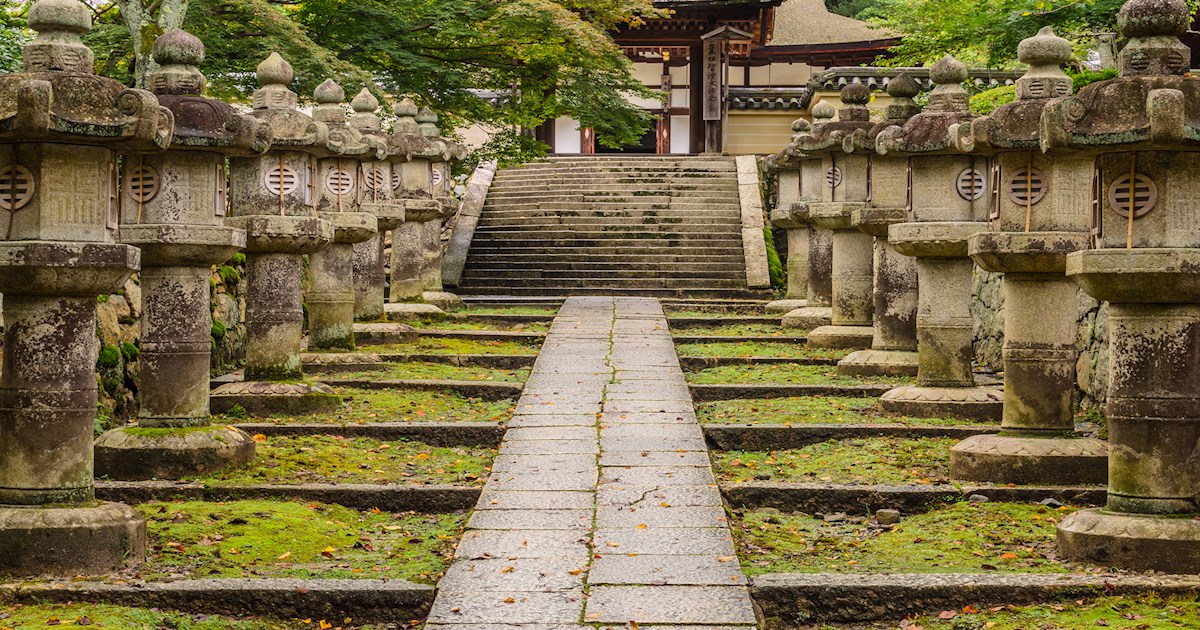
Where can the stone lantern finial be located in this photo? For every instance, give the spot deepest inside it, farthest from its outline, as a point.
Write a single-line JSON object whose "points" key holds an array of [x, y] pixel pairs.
{"points": [[57, 47], [1153, 28], [329, 96], [274, 74], [1045, 53], [902, 89], [177, 53], [823, 112], [949, 95], [364, 118], [855, 97], [406, 117], [427, 118]]}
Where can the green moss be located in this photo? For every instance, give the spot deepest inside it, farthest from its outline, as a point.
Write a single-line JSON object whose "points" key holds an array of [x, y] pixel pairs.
{"points": [[153, 432], [387, 405], [870, 461], [331, 459], [959, 538], [774, 265], [129, 351], [420, 370], [987, 101], [1141, 612], [786, 374], [237, 411], [732, 330], [21, 616], [109, 357], [218, 331], [195, 539], [784, 349], [238, 259], [229, 275], [534, 327], [101, 299], [456, 346], [802, 410]]}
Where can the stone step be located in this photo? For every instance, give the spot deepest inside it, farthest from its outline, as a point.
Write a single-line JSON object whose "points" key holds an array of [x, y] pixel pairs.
{"points": [[607, 177], [655, 196], [633, 227], [613, 213], [628, 170], [622, 274], [640, 248], [556, 184], [621, 260], [680, 293], [675, 205], [528, 241], [600, 282]]}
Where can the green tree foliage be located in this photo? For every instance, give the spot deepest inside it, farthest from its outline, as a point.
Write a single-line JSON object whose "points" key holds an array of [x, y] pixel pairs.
{"points": [[13, 37], [986, 32]]}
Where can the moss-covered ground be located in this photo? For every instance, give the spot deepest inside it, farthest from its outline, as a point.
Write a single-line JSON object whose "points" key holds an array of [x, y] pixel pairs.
{"points": [[425, 371], [22, 617], [958, 538], [785, 374], [195, 539], [803, 410], [868, 461], [365, 406], [732, 330], [723, 310], [466, 324], [333, 459], [784, 349], [508, 310], [429, 345]]}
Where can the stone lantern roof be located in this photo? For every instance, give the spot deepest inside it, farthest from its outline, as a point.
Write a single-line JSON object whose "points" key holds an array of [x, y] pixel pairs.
{"points": [[929, 132], [275, 106], [58, 97], [1151, 104], [200, 122], [828, 134], [1017, 125], [898, 112]]}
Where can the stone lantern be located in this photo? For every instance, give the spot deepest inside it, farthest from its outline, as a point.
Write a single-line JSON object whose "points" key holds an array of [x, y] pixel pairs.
{"points": [[423, 181], [61, 128], [173, 208], [370, 275], [274, 198], [785, 168], [894, 342], [1040, 212], [949, 202], [845, 191], [813, 244], [339, 192], [1142, 130]]}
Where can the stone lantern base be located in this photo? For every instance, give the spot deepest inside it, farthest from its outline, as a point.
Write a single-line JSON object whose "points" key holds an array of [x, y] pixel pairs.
{"points": [[94, 538], [132, 454], [266, 398], [1138, 542], [410, 311], [968, 403], [1028, 459], [808, 318], [879, 363], [843, 337], [782, 307], [444, 300]]}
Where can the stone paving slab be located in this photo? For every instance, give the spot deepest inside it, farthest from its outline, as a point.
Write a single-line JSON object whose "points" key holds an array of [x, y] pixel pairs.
{"points": [[603, 482], [677, 570], [669, 605], [523, 574]]}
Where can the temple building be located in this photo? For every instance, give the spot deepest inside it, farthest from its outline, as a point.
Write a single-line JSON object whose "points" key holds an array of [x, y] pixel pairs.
{"points": [[733, 73]]}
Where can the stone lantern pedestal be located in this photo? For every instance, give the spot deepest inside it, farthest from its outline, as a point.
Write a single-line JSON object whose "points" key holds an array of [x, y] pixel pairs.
{"points": [[893, 350], [370, 272], [809, 245], [945, 329], [852, 304], [61, 127], [330, 298], [787, 192]]}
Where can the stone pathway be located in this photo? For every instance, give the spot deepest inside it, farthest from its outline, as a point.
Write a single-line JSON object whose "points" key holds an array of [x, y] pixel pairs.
{"points": [[601, 508]]}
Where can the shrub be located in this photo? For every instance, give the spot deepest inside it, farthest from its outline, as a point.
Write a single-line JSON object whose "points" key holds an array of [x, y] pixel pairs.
{"points": [[507, 147], [987, 101]]}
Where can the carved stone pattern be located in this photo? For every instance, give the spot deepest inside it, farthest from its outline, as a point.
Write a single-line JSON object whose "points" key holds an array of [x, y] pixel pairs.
{"points": [[1024, 187], [970, 184], [143, 183], [1145, 195], [281, 181], [16, 187]]}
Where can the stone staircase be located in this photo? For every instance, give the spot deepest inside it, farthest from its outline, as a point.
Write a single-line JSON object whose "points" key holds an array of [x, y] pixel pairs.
{"points": [[665, 226]]}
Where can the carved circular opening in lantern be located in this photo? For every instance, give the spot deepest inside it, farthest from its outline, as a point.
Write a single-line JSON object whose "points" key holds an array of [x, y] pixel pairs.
{"points": [[1026, 187], [281, 181], [1144, 193], [970, 184], [833, 177], [396, 180], [16, 187], [339, 182], [374, 179], [143, 183]]}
